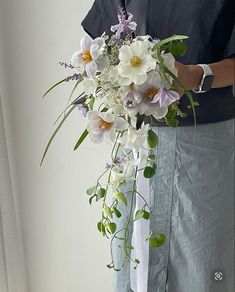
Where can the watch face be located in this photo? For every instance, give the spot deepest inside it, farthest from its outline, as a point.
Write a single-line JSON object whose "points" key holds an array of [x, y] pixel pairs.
{"points": [[208, 80]]}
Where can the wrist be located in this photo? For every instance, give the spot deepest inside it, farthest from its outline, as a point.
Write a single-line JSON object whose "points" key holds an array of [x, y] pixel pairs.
{"points": [[196, 74]]}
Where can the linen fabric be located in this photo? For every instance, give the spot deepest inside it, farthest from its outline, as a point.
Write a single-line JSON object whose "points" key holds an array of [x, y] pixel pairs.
{"points": [[192, 200]]}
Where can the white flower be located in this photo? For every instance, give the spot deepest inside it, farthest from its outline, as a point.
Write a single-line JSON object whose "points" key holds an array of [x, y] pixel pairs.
{"points": [[135, 62], [90, 85], [109, 74], [103, 126], [89, 58], [135, 139], [124, 172], [143, 99]]}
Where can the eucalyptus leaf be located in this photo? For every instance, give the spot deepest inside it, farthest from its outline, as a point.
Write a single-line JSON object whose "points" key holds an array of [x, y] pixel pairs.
{"points": [[158, 240], [130, 247], [152, 139], [107, 211], [101, 228], [149, 172], [146, 215], [139, 214], [91, 191], [100, 194], [173, 123], [111, 227], [117, 212], [120, 197], [91, 199]]}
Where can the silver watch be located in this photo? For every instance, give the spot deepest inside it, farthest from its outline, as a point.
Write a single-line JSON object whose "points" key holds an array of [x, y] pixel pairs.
{"points": [[207, 79]]}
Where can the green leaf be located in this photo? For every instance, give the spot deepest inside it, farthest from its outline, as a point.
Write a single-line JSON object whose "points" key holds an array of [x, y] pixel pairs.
{"points": [[158, 240], [146, 215], [137, 261], [153, 165], [101, 228], [91, 191], [169, 40], [152, 156], [117, 212], [91, 103], [111, 227], [152, 139], [178, 49], [142, 214], [120, 197], [130, 247], [55, 132], [91, 199], [100, 194], [173, 123], [51, 88], [107, 211], [149, 172], [139, 214], [81, 139]]}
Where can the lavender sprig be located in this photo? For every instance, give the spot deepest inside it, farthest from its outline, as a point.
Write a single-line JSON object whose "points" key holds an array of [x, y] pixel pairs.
{"points": [[66, 65]]}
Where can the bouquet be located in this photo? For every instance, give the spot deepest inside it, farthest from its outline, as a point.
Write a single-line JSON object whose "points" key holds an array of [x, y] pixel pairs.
{"points": [[126, 80]]}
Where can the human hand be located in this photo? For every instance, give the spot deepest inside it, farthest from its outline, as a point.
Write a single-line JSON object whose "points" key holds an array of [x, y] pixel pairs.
{"points": [[189, 75]]}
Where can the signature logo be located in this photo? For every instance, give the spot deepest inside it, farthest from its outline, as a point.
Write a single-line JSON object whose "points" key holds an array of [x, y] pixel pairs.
{"points": [[218, 276]]}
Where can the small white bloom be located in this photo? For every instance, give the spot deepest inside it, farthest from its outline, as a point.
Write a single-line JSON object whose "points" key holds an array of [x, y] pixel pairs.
{"points": [[135, 62], [90, 85], [89, 58], [135, 139], [124, 172], [103, 126]]}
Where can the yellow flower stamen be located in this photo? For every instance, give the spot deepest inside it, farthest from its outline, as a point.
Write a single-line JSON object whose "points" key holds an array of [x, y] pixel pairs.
{"points": [[104, 125], [135, 62], [86, 57], [151, 92]]}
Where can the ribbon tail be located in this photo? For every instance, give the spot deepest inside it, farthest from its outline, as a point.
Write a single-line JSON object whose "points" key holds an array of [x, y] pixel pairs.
{"points": [[139, 276]]}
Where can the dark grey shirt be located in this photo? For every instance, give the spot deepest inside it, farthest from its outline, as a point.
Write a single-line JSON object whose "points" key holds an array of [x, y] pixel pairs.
{"points": [[210, 25]]}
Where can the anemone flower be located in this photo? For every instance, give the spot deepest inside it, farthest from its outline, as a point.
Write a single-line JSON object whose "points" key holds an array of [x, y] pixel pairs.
{"points": [[90, 58], [147, 93], [104, 125], [135, 62]]}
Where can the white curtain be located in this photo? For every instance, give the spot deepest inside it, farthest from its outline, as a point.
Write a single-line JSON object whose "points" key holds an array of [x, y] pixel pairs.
{"points": [[12, 274]]}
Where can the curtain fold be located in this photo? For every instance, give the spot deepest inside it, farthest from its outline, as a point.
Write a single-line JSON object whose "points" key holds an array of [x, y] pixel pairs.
{"points": [[12, 274]]}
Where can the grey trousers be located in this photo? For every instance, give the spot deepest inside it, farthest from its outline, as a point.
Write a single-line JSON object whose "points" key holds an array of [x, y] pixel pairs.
{"points": [[192, 200]]}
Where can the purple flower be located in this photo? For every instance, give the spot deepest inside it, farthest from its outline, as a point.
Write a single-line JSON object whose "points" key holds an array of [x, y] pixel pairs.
{"points": [[166, 97], [66, 65], [125, 26], [118, 162], [73, 77], [83, 109]]}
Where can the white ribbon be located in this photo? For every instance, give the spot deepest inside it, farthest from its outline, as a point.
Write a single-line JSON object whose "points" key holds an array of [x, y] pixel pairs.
{"points": [[139, 276]]}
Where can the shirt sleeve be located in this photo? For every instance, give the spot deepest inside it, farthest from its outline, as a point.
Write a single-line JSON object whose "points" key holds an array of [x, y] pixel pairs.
{"points": [[102, 15]]}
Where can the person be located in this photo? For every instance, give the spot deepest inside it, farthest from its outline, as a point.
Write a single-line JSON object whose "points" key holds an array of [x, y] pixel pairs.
{"points": [[192, 195]]}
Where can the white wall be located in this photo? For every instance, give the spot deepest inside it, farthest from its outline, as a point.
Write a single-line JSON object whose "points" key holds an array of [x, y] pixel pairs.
{"points": [[64, 252]]}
